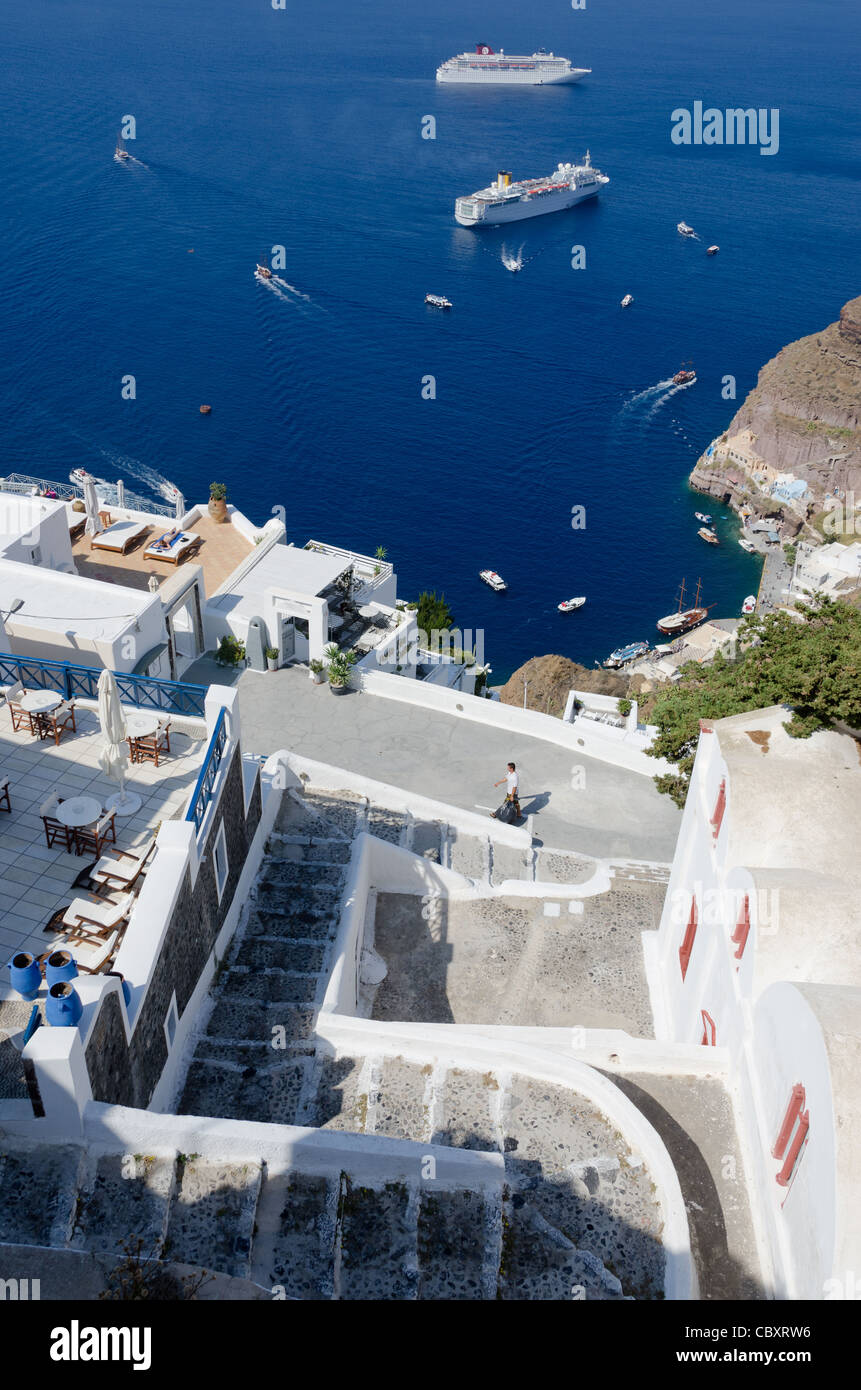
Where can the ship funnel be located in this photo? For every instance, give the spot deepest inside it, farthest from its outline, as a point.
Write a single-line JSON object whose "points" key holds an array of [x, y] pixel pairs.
{"points": [[503, 179]]}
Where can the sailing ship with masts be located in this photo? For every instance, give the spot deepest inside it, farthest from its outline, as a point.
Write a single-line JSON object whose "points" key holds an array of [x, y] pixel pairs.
{"points": [[684, 618], [121, 152]]}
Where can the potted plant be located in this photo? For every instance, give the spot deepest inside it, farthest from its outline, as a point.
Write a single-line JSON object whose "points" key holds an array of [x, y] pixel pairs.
{"points": [[316, 669], [271, 654], [624, 707], [218, 502], [381, 554], [231, 652], [340, 671]]}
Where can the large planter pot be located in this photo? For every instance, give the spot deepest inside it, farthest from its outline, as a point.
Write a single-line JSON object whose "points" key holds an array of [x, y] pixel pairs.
{"points": [[317, 677], [271, 663], [63, 1007], [338, 689], [217, 510], [26, 975], [61, 966]]}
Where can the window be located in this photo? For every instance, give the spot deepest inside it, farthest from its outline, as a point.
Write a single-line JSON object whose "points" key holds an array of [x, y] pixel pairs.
{"points": [[720, 807], [792, 1136], [708, 1038], [219, 861], [742, 928], [688, 943], [171, 1022]]}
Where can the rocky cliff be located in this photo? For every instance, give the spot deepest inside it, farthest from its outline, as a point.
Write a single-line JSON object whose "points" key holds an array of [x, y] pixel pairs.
{"points": [[802, 417], [550, 678]]}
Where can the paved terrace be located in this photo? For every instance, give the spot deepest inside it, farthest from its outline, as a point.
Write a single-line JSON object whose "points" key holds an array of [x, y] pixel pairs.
{"points": [[223, 548], [36, 880], [616, 814]]}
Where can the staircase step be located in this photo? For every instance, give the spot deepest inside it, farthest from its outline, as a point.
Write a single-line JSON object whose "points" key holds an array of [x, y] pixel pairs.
{"points": [[401, 1111], [39, 1189], [300, 923], [271, 985], [378, 1243], [341, 1099], [552, 866], [282, 873], [125, 1199], [470, 855], [540, 1264], [509, 862], [386, 824], [272, 1095], [294, 1245], [466, 1115], [211, 1221], [297, 900], [305, 850], [262, 953], [337, 811], [427, 839], [452, 1234]]}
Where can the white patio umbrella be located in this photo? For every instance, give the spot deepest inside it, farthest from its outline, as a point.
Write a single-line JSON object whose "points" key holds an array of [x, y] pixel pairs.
{"points": [[91, 505], [180, 507], [113, 759]]}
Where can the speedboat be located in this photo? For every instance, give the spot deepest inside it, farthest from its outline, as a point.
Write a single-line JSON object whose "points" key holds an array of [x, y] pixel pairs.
{"points": [[749, 605], [121, 152], [438, 301], [263, 271], [706, 535], [624, 654], [493, 579], [684, 230], [704, 518], [712, 250], [629, 299], [684, 375], [569, 604], [747, 545]]}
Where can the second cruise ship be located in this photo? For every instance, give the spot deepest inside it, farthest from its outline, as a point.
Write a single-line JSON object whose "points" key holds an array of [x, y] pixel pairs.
{"points": [[505, 201], [486, 67]]}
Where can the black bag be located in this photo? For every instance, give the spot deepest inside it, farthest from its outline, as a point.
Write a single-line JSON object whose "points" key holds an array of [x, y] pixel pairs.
{"points": [[507, 813]]}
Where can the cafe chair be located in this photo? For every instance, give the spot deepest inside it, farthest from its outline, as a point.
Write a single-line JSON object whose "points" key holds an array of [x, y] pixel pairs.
{"points": [[94, 837], [55, 831]]}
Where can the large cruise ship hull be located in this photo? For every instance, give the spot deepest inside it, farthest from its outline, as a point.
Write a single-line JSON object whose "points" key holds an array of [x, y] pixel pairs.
{"points": [[477, 78], [519, 210]]}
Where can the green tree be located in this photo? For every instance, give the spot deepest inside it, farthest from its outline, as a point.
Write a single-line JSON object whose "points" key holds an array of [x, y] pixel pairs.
{"points": [[433, 614], [810, 662]]}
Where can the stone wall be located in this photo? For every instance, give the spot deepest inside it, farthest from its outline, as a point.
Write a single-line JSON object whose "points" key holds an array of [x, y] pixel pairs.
{"points": [[125, 1072]]}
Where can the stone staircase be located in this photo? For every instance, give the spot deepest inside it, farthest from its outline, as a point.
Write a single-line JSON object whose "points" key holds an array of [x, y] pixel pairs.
{"points": [[572, 1217]]}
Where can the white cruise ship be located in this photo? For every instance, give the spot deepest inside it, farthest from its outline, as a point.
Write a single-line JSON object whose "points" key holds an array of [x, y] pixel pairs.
{"points": [[488, 68], [505, 201]]}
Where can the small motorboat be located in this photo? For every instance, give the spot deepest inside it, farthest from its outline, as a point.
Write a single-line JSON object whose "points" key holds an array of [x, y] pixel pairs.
{"points": [[747, 545], [624, 654], [706, 535], [569, 604], [749, 605], [712, 250], [263, 271], [121, 152], [684, 230], [206, 410], [704, 518], [493, 579], [685, 374], [438, 301], [629, 299]]}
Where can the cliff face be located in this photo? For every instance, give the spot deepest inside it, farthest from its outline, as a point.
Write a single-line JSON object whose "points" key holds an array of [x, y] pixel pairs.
{"points": [[804, 415], [552, 677]]}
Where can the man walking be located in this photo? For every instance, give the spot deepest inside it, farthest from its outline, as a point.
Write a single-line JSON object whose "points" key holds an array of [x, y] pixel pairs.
{"points": [[512, 782]]}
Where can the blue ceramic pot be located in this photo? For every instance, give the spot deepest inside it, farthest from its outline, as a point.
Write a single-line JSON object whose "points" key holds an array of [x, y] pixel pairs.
{"points": [[63, 1007], [61, 966], [26, 975]]}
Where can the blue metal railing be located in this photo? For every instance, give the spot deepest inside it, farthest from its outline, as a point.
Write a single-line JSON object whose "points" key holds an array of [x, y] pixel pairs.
{"points": [[146, 692], [202, 794]]}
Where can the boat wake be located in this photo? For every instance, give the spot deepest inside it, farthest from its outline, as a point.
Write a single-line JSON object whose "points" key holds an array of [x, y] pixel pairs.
{"points": [[647, 396], [666, 396], [289, 294], [130, 159], [510, 260], [133, 471]]}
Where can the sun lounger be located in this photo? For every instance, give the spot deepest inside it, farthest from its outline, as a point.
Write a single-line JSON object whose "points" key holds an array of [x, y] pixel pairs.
{"points": [[91, 953], [121, 869], [171, 547], [97, 915], [119, 536]]}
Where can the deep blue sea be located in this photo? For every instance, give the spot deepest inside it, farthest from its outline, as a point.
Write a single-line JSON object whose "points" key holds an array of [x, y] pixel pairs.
{"points": [[302, 127]]}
